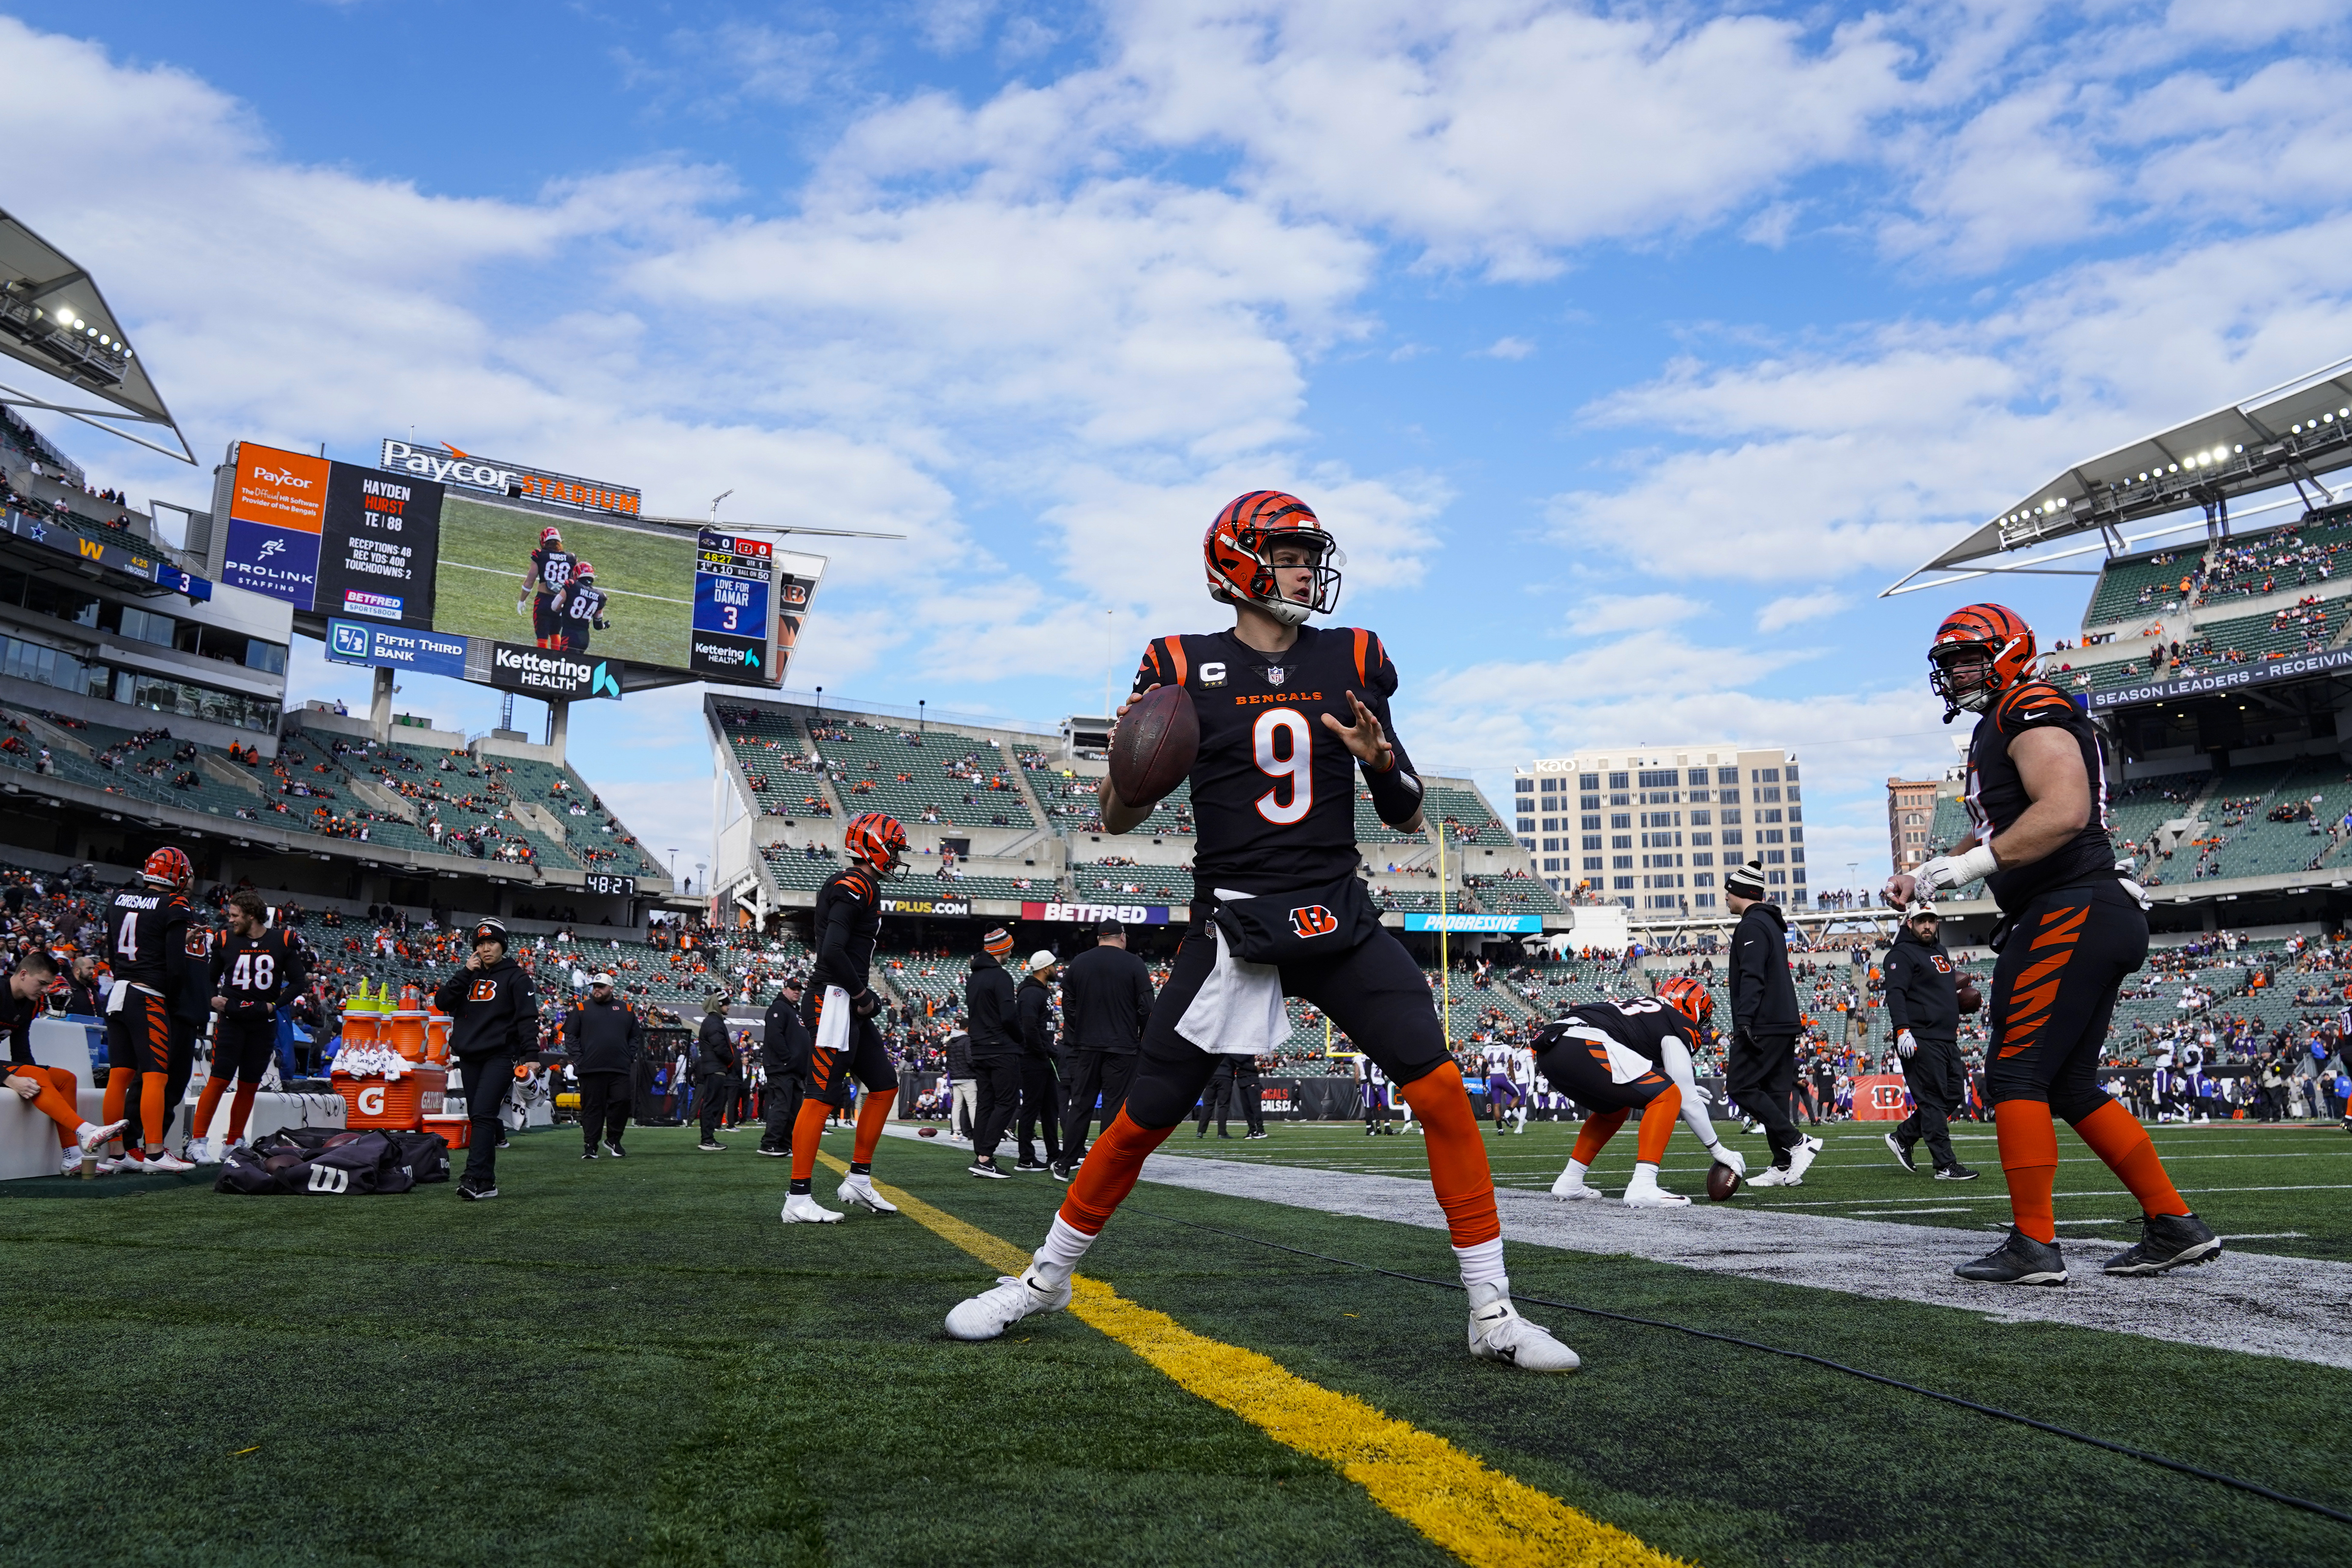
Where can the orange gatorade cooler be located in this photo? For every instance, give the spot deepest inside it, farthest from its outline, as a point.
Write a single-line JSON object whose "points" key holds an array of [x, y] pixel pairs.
{"points": [[455, 1131], [403, 1102], [406, 1034], [436, 1037]]}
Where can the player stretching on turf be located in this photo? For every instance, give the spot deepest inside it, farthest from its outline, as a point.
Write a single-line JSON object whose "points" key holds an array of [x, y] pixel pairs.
{"points": [[839, 1011], [255, 968], [1614, 1059], [2071, 929], [551, 569], [52, 1090], [1287, 714]]}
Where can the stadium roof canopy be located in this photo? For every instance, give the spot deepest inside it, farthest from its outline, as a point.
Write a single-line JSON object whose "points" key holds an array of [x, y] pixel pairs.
{"points": [[53, 317], [2289, 435]]}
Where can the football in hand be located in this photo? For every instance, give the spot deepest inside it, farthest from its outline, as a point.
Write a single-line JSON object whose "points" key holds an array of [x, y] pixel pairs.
{"points": [[1722, 1181], [1970, 999], [1152, 750]]}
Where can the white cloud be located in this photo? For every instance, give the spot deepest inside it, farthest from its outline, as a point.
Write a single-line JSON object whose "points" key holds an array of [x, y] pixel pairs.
{"points": [[1797, 608], [1508, 347], [1604, 614]]}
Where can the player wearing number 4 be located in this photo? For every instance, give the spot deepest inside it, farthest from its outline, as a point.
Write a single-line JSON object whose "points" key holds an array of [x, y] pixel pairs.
{"points": [[1288, 715], [257, 970]]}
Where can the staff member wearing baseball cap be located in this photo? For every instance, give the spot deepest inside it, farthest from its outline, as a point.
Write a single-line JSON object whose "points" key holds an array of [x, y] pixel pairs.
{"points": [[1923, 1013], [784, 1045], [494, 1019], [602, 1035]]}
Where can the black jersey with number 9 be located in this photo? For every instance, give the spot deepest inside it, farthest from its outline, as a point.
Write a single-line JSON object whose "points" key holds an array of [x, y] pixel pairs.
{"points": [[1274, 792]]}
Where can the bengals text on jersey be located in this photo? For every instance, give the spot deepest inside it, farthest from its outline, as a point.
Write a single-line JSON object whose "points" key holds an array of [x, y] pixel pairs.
{"points": [[1274, 792]]}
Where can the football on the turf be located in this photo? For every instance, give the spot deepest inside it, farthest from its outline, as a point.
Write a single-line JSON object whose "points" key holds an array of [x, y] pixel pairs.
{"points": [[930, 1132], [1151, 752], [1722, 1181], [1970, 999]]}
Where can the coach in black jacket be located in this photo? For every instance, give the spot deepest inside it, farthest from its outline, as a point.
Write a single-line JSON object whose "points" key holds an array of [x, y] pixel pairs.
{"points": [[785, 1046], [1105, 999], [602, 1036], [714, 1071], [1923, 1013], [1760, 1069], [991, 1020], [494, 1020], [1041, 1099]]}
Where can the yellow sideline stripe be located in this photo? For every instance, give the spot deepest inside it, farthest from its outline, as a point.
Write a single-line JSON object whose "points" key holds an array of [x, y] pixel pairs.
{"points": [[1481, 1516]]}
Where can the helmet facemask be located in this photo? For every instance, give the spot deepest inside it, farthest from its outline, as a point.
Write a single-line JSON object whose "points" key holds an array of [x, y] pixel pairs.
{"points": [[1322, 564], [1961, 674]]}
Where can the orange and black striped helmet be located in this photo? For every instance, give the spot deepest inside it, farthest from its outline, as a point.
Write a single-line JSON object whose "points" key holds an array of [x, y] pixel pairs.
{"points": [[877, 839], [2006, 644], [169, 867], [1239, 550], [1690, 998]]}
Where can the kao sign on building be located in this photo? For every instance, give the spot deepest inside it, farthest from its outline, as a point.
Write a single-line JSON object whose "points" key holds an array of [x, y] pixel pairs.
{"points": [[447, 466]]}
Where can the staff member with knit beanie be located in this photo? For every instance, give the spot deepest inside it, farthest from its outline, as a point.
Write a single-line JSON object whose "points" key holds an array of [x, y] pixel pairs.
{"points": [[1760, 1069], [494, 1019], [991, 1019]]}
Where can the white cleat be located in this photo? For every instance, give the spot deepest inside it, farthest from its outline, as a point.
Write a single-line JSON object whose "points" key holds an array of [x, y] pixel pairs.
{"points": [[858, 1192], [70, 1160], [989, 1314], [1800, 1157], [799, 1208], [1774, 1176], [92, 1136], [1497, 1332], [1571, 1187], [167, 1161], [1650, 1195], [199, 1151]]}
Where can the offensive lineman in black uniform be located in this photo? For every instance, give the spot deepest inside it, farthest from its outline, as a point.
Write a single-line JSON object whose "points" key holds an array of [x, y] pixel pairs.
{"points": [[2071, 929], [849, 923], [255, 969], [1288, 715], [146, 931], [1613, 1059], [1923, 1009]]}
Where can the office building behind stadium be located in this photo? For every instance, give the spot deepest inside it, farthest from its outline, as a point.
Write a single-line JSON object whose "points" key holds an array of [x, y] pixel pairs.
{"points": [[1651, 827]]}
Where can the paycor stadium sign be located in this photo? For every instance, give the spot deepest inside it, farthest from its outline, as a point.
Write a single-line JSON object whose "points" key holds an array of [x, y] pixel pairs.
{"points": [[2229, 678], [448, 466]]}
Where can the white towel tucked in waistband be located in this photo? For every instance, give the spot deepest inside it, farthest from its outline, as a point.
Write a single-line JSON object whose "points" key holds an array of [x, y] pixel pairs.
{"points": [[1238, 1010], [1626, 1064]]}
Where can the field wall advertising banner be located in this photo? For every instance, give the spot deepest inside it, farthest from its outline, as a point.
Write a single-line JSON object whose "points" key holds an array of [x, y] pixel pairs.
{"points": [[421, 545]]}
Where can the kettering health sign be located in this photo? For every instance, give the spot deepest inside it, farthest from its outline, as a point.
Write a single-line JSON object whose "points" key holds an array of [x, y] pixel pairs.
{"points": [[1491, 923], [428, 653], [2229, 678]]}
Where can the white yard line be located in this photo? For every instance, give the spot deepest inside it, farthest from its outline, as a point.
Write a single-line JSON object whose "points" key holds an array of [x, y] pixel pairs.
{"points": [[2289, 1307]]}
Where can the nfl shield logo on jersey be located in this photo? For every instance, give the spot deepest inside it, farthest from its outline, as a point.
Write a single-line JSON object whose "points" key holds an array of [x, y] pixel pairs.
{"points": [[1274, 675]]}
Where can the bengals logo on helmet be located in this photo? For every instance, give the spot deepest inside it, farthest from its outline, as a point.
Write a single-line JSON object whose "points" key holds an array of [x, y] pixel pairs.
{"points": [[1313, 919]]}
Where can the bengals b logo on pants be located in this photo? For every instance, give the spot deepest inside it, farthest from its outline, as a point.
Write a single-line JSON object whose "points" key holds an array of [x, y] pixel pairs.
{"points": [[1313, 920]]}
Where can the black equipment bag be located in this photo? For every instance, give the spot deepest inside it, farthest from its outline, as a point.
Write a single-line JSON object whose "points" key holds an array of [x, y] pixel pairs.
{"points": [[324, 1162]]}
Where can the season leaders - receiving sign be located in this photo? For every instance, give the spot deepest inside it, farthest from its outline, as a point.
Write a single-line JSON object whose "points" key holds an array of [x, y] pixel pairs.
{"points": [[1087, 914], [733, 629], [538, 672], [428, 653], [1495, 924]]}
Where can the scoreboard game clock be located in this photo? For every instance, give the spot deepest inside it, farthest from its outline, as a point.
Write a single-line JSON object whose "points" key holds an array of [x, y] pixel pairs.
{"points": [[609, 884], [734, 615]]}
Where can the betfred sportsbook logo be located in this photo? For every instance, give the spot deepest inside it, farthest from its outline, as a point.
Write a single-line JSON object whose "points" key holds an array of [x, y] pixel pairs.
{"points": [[1313, 919]]}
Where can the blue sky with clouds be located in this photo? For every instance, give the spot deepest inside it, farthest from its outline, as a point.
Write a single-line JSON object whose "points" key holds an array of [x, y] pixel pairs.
{"points": [[1631, 350]]}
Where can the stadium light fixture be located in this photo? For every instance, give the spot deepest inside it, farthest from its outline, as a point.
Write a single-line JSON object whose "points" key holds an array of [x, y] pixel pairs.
{"points": [[54, 320]]}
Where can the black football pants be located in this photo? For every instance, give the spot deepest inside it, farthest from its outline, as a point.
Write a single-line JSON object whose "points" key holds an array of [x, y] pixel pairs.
{"points": [[488, 1078], [1040, 1100], [712, 1096], [179, 1065], [2054, 992], [1761, 1075], [780, 1105], [998, 1082], [1216, 1101], [1933, 1071], [1092, 1074], [604, 1108]]}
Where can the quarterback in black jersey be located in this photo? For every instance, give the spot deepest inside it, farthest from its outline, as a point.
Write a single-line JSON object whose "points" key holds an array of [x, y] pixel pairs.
{"points": [[1616, 1057], [839, 1008], [1291, 717], [146, 936], [255, 969], [2071, 927]]}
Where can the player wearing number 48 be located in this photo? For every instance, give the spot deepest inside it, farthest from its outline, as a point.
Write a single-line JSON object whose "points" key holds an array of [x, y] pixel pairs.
{"points": [[1289, 716]]}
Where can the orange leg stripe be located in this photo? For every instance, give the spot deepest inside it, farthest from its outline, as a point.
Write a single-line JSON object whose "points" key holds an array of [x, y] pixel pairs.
{"points": [[2066, 932]]}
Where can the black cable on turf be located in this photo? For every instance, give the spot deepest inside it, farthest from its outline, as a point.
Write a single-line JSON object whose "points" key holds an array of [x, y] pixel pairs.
{"points": [[2187, 1470]]}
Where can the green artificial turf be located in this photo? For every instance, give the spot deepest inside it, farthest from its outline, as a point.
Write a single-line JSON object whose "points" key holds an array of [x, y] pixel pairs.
{"points": [[2284, 1188], [486, 553], [635, 1363]]}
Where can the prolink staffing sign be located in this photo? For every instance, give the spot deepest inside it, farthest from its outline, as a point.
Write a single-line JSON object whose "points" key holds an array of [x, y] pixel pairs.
{"points": [[448, 466], [536, 672]]}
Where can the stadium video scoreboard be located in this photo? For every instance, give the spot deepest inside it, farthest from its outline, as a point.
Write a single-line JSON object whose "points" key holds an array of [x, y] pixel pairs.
{"points": [[527, 562]]}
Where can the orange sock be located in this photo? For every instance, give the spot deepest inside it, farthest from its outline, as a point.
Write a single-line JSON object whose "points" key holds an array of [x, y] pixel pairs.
{"points": [[870, 1118], [1658, 1124], [54, 1101], [807, 1128], [239, 1109], [153, 1114], [118, 1095], [1112, 1165], [208, 1103], [2028, 1157], [1458, 1172], [2115, 1136], [1598, 1128]]}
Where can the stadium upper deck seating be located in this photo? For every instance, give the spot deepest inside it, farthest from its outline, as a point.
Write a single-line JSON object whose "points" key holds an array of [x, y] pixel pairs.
{"points": [[1512, 895], [966, 779], [1105, 881], [776, 761], [2131, 589]]}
